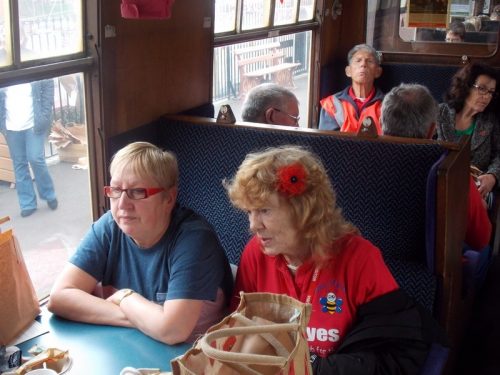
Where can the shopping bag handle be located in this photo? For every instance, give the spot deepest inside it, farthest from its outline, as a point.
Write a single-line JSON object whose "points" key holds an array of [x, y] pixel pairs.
{"points": [[247, 358], [281, 350]]}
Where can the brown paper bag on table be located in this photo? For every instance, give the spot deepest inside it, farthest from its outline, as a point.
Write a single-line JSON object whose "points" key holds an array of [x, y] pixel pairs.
{"points": [[18, 300]]}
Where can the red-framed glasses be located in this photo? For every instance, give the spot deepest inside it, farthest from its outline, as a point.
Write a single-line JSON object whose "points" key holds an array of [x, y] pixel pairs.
{"points": [[135, 193]]}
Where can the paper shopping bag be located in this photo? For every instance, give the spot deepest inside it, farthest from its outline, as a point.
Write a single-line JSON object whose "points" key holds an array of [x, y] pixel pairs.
{"points": [[265, 335], [17, 296]]}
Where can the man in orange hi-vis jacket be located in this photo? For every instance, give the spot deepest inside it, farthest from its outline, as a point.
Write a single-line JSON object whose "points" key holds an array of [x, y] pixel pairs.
{"points": [[346, 110]]}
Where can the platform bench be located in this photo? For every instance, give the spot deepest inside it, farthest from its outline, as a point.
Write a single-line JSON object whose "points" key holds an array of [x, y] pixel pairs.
{"points": [[257, 63]]}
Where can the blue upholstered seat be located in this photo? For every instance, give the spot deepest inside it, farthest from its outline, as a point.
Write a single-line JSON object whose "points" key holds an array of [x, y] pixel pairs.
{"points": [[381, 188]]}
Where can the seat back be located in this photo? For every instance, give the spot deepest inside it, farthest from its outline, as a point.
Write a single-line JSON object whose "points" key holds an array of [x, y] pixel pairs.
{"points": [[381, 187], [436, 78]]}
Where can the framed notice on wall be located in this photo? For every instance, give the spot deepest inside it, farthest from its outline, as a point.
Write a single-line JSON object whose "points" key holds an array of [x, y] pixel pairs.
{"points": [[427, 13]]}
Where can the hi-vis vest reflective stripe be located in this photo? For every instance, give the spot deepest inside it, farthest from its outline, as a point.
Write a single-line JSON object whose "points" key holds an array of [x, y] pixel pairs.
{"points": [[346, 116]]}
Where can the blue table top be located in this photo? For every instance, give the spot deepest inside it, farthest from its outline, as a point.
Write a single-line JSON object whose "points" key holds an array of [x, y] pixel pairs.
{"points": [[103, 350]]}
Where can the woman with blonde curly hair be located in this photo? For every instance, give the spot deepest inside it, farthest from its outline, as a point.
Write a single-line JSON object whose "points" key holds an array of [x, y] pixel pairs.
{"points": [[309, 199], [303, 247]]}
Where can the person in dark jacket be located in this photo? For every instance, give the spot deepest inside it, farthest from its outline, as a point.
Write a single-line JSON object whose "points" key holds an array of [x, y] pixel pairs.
{"points": [[393, 335], [25, 119]]}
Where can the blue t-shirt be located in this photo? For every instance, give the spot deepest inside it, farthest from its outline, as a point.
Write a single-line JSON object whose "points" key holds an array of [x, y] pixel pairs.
{"points": [[187, 263]]}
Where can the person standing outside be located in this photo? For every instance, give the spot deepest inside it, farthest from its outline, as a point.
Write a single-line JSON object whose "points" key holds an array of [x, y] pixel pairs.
{"points": [[26, 112], [346, 110]]}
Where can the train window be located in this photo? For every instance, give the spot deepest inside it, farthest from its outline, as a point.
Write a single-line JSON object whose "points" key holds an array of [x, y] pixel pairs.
{"points": [[240, 16], [236, 68], [255, 14], [5, 48], [49, 234], [40, 29], [427, 26], [49, 29], [285, 13], [38, 40], [260, 41], [225, 16]]}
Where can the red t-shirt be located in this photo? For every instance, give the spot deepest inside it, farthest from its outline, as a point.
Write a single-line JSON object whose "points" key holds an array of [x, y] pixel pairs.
{"points": [[478, 230], [353, 277], [360, 103]]}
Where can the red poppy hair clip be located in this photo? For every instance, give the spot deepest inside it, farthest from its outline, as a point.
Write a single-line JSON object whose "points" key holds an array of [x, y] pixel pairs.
{"points": [[292, 179]]}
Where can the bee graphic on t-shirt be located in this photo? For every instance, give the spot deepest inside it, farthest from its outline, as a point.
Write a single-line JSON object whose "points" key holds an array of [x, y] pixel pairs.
{"points": [[331, 304]]}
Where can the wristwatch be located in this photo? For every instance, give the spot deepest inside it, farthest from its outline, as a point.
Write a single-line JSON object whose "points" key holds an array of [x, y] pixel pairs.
{"points": [[126, 292]]}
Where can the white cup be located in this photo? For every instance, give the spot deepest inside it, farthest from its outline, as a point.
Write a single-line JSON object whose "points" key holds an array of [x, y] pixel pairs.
{"points": [[42, 371]]}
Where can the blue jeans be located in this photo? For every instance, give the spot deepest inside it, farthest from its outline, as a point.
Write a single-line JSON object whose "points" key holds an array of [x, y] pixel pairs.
{"points": [[27, 147]]}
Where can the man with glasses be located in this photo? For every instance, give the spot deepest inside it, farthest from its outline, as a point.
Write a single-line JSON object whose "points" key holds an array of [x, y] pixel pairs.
{"points": [[269, 103], [347, 109], [155, 265]]}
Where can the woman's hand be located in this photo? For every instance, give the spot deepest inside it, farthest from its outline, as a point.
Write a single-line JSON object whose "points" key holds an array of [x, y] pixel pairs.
{"points": [[486, 184], [71, 298]]}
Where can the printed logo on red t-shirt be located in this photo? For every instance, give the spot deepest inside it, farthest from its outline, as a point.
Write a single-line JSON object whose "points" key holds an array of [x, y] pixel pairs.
{"points": [[322, 334], [331, 304]]}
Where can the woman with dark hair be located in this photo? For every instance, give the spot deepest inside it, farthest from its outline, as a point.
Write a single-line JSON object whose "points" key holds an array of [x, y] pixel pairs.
{"points": [[469, 110]]}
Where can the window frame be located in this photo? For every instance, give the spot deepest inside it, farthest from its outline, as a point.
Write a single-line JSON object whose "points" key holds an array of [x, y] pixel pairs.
{"points": [[50, 67], [314, 25], [238, 35], [85, 62]]}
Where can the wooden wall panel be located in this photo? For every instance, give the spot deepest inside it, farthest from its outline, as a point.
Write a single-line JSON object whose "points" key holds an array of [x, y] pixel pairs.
{"points": [[339, 35], [153, 67]]}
